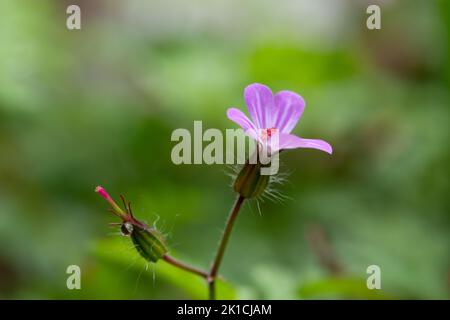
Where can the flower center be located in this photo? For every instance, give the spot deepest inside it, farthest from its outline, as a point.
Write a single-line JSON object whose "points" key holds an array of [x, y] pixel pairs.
{"points": [[267, 133]]}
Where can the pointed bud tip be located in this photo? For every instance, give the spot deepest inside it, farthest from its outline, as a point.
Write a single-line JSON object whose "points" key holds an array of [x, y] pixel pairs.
{"points": [[117, 210], [101, 191]]}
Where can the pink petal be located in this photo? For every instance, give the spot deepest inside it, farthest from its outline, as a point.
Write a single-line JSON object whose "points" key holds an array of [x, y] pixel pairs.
{"points": [[259, 100], [289, 107], [245, 123], [290, 141]]}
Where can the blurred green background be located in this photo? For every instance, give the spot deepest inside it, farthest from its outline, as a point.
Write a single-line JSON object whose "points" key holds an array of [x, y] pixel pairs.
{"points": [[97, 106]]}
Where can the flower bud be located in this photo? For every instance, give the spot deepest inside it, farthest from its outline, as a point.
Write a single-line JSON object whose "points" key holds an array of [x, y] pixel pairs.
{"points": [[250, 183], [149, 242]]}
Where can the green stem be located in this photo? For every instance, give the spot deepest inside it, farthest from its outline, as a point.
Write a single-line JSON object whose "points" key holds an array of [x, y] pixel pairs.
{"points": [[223, 244], [184, 266]]}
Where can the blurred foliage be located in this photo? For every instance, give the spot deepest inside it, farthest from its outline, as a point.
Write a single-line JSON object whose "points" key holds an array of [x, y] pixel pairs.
{"points": [[98, 105], [192, 285], [352, 288]]}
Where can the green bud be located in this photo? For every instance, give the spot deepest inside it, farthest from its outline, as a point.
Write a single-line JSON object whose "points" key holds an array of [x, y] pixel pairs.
{"points": [[249, 182], [149, 242]]}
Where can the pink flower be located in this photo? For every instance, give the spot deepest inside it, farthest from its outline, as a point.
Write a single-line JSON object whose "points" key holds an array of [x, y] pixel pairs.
{"points": [[274, 114]]}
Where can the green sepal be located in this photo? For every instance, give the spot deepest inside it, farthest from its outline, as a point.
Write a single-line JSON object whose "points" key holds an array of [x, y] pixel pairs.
{"points": [[149, 242], [250, 183]]}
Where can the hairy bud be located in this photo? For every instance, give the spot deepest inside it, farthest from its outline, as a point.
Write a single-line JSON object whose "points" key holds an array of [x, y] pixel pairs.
{"points": [[149, 242], [250, 183]]}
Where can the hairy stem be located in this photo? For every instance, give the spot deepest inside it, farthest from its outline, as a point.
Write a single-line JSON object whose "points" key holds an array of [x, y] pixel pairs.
{"points": [[184, 266], [222, 246]]}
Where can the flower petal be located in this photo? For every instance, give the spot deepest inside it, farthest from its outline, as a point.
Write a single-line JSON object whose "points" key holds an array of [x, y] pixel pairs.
{"points": [[289, 107], [245, 123], [290, 141], [259, 100]]}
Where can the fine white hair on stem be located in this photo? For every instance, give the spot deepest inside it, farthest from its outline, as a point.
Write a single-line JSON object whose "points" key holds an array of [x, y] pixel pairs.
{"points": [[139, 277], [232, 171], [272, 192], [274, 195], [259, 208], [156, 221], [249, 205], [154, 273]]}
